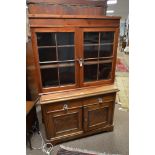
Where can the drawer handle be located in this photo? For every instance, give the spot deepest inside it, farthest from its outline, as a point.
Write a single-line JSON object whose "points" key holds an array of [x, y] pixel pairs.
{"points": [[100, 100], [65, 107]]}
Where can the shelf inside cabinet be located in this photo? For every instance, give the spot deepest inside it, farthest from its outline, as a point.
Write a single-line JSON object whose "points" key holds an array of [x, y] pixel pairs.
{"points": [[57, 65]]}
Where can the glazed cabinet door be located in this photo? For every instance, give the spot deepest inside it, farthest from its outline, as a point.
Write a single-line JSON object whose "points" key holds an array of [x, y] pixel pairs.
{"points": [[55, 54], [98, 115], [99, 55], [64, 123]]}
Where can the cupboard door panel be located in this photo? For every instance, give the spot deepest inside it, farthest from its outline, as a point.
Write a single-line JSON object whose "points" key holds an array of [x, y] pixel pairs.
{"points": [[97, 115], [65, 122]]}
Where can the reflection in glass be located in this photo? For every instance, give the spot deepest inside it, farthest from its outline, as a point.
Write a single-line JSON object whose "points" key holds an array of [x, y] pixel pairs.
{"points": [[65, 38], [47, 54], [91, 38], [90, 72], [106, 37], [49, 77], [46, 39], [90, 51], [106, 50], [65, 53], [104, 71], [67, 75]]}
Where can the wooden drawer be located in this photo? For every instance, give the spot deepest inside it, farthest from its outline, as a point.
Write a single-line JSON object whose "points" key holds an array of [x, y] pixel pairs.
{"points": [[99, 99], [60, 106]]}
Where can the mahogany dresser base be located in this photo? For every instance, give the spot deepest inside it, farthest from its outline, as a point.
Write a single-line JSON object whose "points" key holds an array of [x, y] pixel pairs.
{"points": [[78, 115]]}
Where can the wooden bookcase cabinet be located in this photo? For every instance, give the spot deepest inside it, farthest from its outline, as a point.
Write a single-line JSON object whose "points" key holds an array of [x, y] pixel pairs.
{"points": [[74, 59]]}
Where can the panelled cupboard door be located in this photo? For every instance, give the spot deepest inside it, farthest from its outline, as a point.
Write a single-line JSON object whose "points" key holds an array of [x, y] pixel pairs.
{"points": [[64, 122], [55, 50], [98, 115], [98, 56]]}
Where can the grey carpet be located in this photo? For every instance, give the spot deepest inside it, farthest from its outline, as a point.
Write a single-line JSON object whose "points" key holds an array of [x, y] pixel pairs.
{"points": [[115, 142]]}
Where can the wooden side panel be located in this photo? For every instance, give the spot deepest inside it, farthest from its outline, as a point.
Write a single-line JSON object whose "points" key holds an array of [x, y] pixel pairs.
{"points": [[31, 72], [115, 53]]}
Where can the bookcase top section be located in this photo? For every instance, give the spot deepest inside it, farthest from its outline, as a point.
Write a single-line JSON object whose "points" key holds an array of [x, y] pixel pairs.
{"points": [[76, 94]]}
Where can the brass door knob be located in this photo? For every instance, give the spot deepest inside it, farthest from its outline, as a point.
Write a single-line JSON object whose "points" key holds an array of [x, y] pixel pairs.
{"points": [[100, 100], [65, 107]]}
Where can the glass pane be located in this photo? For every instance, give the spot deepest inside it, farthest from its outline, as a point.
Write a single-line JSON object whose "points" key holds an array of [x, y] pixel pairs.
{"points": [[65, 53], [90, 72], [65, 38], [90, 51], [106, 37], [45, 39], [47, 54], [49, 77], [67, 75], [105, 71], [91, 38], [106, 50]]}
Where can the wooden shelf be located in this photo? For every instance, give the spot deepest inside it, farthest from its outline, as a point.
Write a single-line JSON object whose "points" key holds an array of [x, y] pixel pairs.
{"points": [[55, 46], [98, 44], [96, 62], [47, 62], [57, 65], [87, 59]]}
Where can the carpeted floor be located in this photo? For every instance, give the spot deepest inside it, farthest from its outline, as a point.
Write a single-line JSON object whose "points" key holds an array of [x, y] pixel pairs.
{"points": [[122, 81], [120, 66], [116, 142]]}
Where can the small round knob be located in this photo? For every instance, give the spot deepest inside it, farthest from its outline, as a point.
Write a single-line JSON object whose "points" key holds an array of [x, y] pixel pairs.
{"points": [[65, 107], [100, 100]]}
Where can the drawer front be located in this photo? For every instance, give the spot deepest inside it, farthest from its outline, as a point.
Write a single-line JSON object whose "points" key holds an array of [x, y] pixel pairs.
{"points": [[63, 123], [99, 99], [60, 106], [98, 115]]}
